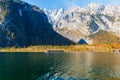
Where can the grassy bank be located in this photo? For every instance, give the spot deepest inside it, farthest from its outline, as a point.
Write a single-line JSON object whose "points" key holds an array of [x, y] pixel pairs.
{"points": [[71, 48]]}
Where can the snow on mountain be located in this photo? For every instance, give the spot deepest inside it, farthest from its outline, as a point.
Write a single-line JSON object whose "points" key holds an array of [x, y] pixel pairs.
{"points": [[78, 23], [112, 10], [53, 15], [95, 7]]}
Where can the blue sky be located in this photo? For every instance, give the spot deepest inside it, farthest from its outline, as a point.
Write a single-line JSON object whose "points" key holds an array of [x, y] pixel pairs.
{"points": [[56, 4]]}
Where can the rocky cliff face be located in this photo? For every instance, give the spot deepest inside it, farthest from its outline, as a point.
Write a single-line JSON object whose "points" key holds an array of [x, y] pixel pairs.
{"points": [[78, 23], [22, 24]]}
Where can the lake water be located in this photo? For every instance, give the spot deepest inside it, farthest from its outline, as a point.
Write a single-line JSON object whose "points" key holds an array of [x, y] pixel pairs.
{"points": [[60, 66]]}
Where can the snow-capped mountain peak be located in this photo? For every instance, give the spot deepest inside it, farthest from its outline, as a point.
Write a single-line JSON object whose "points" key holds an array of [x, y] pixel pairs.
{"points": [[76, 22], [95, 7]]}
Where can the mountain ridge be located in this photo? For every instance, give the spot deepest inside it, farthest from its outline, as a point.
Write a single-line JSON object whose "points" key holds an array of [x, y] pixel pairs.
{"points": [[86, 21], [23, 25]]}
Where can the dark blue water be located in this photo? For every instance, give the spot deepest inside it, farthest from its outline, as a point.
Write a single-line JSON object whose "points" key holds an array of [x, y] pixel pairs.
{"points": [[60, 66]]}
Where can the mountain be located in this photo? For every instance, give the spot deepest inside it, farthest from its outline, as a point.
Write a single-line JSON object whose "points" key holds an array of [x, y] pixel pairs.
{"points": [[78, 23], [22, 24]]}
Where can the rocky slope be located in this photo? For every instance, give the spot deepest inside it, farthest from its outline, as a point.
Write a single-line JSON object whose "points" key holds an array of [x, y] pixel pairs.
{"points": [[78, 23], [22, 24]]}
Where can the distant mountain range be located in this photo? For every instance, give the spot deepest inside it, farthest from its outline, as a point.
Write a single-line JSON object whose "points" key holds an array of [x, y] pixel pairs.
{"points": [[88, 23], [22, 24]]}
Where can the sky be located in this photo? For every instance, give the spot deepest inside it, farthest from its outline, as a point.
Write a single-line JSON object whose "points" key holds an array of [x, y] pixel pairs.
{"points": [[57, 4]]}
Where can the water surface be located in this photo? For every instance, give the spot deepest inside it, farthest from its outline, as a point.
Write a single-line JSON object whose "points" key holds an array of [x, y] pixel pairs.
{"points": [[59, 66]]}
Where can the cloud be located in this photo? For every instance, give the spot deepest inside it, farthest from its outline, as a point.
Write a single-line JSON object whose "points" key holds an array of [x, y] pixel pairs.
{"points": [[69, 3], [82, 3], [115, 2]]}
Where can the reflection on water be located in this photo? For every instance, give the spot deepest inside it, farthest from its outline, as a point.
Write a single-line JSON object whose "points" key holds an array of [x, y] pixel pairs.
{"points": [[59, 66]]}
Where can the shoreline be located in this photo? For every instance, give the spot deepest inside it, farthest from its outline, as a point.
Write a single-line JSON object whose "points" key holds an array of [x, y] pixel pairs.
{"points": [[71, 48]]}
